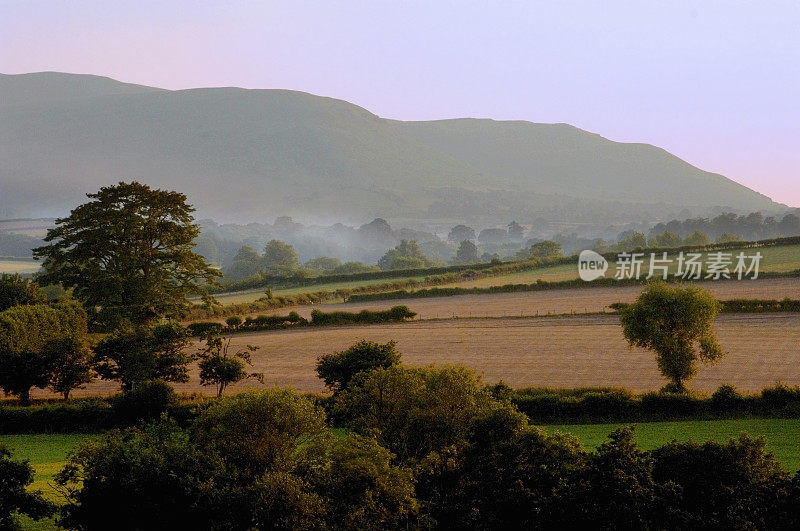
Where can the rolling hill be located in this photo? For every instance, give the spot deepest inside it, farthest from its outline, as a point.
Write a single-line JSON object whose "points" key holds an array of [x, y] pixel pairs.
{"points": [[248, 155]]}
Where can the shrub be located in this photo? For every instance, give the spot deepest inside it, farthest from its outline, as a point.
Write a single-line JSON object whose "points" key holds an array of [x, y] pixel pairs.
{"points": [[203, 328], [780, 396], [146, 401], [339, 368], [726, 396], [233, 322]]}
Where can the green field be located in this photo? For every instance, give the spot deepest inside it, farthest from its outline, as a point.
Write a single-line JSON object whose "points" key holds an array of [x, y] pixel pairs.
{"points": [[780, 259], [782, 435], [47, 454], [19, 266], [255, 294]]}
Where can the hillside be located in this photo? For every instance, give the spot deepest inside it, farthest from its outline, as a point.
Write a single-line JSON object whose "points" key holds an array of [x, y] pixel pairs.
{"points": [[248, 155]]}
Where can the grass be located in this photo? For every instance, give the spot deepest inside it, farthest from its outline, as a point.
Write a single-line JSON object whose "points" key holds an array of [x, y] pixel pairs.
{"points": [[47, 453], [255, 294], [19, 266], [782, 435]]}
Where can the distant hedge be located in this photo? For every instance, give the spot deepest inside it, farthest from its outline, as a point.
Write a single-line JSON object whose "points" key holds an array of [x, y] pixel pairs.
{"points": [[601, 405], [86, 415], [294, 320], [746, 305]]}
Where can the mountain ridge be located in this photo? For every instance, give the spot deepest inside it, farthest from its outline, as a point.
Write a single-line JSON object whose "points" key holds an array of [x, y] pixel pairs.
{"points": [[240, 153]]}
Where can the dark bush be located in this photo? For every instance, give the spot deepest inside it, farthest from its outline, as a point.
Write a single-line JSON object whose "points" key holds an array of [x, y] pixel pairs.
{"points": [[203, 328], [780, 396], [78, 415], [144, 402]]}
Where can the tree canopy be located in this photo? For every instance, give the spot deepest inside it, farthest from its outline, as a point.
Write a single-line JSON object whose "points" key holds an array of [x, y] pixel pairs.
{"points": [[128, 254]]}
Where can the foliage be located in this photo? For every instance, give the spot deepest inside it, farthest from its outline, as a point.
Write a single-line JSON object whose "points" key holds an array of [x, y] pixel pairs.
{"points": [[127, 252], [546, 249], [407, 255], [278, 254], [339, 368], [676, 323], [665, 239], [15, 476], [467, 253], [16, 290], [147, 401], [323, 264], [697, 239], [71, 364], [25, 333], [221, 367], [135, 356], [459, 233], [413, 411], [395, 314], [163, 484]]}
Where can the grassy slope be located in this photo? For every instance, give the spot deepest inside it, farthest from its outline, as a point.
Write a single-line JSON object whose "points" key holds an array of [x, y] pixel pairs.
{"points": [[782, 435]]}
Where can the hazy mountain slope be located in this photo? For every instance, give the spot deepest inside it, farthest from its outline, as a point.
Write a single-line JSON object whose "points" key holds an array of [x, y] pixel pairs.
{"points": [[39, 87], [255, 154], [562, 159]]}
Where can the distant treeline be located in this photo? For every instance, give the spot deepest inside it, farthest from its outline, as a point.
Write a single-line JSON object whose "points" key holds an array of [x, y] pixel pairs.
{"points": [[753, 226]]}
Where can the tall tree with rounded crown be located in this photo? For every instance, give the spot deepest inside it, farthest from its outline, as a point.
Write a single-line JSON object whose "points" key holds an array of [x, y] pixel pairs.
{"points": [[128, 254]]}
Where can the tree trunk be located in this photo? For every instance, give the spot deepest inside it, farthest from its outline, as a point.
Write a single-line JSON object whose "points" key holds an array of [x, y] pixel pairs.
{"points": [[25, 397]]}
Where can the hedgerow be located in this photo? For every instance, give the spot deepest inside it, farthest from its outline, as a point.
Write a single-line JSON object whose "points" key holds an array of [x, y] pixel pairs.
{"points": [[294, 320]]}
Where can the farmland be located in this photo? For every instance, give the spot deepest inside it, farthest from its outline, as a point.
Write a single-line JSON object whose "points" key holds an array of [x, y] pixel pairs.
{"points": [[557, 351], [19, 266], [560, 301], [778, 259]]}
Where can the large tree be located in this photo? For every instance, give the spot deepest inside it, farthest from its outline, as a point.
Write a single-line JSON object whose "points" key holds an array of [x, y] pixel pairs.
{"points": [[676, 323], [128, 254]]}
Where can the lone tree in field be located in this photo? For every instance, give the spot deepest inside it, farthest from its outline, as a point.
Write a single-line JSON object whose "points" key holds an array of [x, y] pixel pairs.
{"points": [[221, 367], [128, 254], [676, 323]]}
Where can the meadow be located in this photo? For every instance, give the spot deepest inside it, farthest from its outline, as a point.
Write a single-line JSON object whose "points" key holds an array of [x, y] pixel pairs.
{"points": [[782, 435]]}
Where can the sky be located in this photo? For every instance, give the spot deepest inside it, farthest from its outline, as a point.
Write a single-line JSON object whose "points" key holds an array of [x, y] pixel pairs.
{"points": [[717, 83]]}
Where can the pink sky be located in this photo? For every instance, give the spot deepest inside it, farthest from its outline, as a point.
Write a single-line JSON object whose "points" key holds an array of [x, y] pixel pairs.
{"points": [[715, 82]]}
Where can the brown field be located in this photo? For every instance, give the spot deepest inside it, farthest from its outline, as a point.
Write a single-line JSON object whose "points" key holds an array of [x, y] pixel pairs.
{"points": [[558, 351], [577, 300]]}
